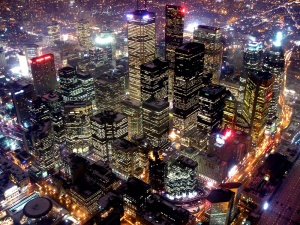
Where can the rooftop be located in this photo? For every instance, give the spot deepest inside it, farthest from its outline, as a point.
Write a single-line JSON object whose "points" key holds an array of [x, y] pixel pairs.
{"points": [[220, 195]]}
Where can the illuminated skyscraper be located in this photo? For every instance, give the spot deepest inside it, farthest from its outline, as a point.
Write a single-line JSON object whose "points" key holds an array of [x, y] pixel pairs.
{"points": [[188, 81], [106, 42], [157, 171], [154, 79], [156, 121], [53, 32], [32, 51], [43, 74], [141, 47], [252, 60], [258, 96], [230, 111], [173, 39], [212, 103], [43, 145], [274, 64], [78, 128], [84, 34], [109, 89], [211, 38], [107, 127], [173, 31]]}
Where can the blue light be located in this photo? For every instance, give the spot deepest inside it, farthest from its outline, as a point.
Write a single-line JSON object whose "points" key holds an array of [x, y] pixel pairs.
{"points": [[129, 16], [146, 17]]}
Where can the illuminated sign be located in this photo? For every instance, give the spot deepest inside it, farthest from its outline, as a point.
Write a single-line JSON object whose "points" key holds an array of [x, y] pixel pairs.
{"points": [[19, 92], [10, 191], [40, 59]]}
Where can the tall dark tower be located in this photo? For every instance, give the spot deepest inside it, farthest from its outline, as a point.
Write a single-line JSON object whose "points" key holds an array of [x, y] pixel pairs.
{"points": [[43, 73], [187, 82], [173, 39], [157, 171]]}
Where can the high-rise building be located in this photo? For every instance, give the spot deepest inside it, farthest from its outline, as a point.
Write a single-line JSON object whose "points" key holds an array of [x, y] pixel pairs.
{"points": [[154, 80], [2, 59], [173, 39], [157, 171], [229, 111], [78, 128], [109, 90], [156, 121], [53, 32], [20, 96], [43, 73], [181, 178], [141, 47], [46, 156], [274, 64], [212, 103], [106, 128], [258, 96], [173, 31], [31, 51], [218, 206], [211, 38], [106, 42], [188, 81], [39, 111], [252, 60], [87, 84], [84, 34]]}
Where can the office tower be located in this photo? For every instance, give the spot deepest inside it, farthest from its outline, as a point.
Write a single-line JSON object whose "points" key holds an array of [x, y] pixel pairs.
{"points": [[53, 32], [128, 158], [274, 64], [109, 91], [157, 171], [84, 34], [212, 103], [181, 178], [39, 111], [236, 188], [20, 96], [70, 86], [218, 206], [188, 80], [105, 41], [133, 110], [141, 47], [32, 51], [173, 31], [107, 127], [46, 157], [77, 125], [43, 73], [252, 60], [55, 104], [211, 38], [87, 84], [229, 111], [96, 57], [173, 39], [258, 96], [154, 80], [156, 121]]}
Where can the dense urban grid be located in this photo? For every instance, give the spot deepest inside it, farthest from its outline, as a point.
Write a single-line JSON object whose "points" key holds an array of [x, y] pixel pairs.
{"points": [[153, 112]]}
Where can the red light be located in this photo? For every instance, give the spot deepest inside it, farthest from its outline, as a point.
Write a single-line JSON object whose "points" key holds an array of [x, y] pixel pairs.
{"points": [[40, 59], [228, 134], [183, 10], [30, 61], [48, 57]]}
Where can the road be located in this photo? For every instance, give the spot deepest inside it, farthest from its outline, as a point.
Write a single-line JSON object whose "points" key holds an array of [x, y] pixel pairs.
{"points": [[284, 207]]}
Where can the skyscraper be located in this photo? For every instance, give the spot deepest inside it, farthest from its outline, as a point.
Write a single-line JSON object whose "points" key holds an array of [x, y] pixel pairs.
{"points": [[78, 127], [188, 80], [43, 73], [173, 31], [157, 171], [156, 121], [154, 79], [107, 127], [258, 96], [173, 39], [106, 41], [274, 64], [84, 34], [212, 103], [53, 32], [211, 38], [141, 47]]}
